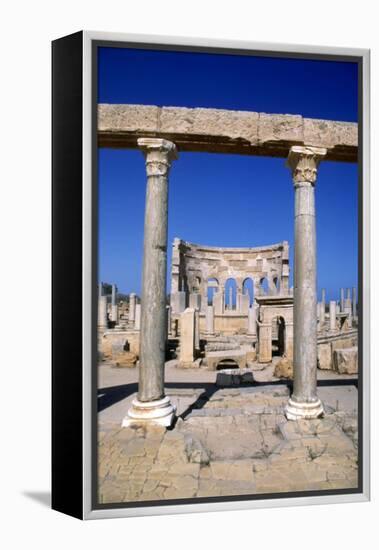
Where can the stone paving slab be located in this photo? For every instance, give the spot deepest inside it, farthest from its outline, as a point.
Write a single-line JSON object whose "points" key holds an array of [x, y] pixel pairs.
{"points": [[230, 442]]}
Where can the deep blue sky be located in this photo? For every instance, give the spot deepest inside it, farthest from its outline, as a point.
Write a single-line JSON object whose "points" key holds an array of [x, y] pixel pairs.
{"points": [[226, 200]]}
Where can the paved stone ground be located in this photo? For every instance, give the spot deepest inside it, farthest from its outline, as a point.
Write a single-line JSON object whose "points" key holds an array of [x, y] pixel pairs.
{"points": [[226, 441]]}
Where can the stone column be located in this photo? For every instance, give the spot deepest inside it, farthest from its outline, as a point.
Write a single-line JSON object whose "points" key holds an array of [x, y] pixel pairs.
{"points": [[288, 341], [265, 342], [332, 315], [244, 304], [152, 405], [348, 310], [114, 308], [187, 337], [168, 320], [197, 330], [342, 299], [304, 402], [323, 296], [178, 302], [230, 302], [102, 317], [322, 314], [210, 321], [354, 303], [195, 300], [252, 321], [132, 307], [218, 301], [137, 317]]}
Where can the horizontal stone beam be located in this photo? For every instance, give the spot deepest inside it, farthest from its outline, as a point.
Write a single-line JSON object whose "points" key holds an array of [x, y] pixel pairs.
{"points": [[225, 131]]}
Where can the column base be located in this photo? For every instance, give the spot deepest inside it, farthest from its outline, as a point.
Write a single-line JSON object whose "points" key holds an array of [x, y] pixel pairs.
{"points": [[303, 410], [160, 412]]}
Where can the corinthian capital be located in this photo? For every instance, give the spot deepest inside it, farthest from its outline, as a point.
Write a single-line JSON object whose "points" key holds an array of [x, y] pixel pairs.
{"points": [[159, 153], [303, 162]]}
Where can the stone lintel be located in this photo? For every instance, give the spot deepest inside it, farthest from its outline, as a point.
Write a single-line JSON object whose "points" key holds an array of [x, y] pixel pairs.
{"points": [[225, 131]]}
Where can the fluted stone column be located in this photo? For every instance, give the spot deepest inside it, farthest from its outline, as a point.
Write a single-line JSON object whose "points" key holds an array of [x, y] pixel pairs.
{"points": [[230, 298], [132, 307], [304, 402], [152, 405]]}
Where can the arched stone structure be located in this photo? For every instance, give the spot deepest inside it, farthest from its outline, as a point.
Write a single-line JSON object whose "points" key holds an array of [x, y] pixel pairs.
{"points": [[194, 264], [271, 308]]}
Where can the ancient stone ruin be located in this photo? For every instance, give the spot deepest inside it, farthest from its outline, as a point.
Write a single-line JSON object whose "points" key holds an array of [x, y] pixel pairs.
{"points": [[230, 308]]}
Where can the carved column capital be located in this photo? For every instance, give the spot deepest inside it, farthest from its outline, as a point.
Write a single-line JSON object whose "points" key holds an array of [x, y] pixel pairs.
{"points": [[159, 154], [303, 162]]}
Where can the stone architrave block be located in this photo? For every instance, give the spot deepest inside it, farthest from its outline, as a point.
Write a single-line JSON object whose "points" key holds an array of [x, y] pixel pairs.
{"points": [[127, 118], [329, 133], [212, 122], [280, 128]]}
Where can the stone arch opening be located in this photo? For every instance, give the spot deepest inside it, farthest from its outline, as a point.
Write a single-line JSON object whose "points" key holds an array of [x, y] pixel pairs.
{"points": [[275, 281], [230, 294], [248, 288], [280, 336], [196, 284], [212, 289], [227, 364], [263, 286]]}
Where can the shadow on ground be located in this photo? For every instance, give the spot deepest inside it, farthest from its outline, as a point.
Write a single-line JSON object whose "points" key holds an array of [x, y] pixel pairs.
{"points": [[110, 395], [42, 497]]}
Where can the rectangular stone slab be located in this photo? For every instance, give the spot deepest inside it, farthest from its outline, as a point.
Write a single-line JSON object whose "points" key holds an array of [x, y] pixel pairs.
{"points": [[225, 131]]}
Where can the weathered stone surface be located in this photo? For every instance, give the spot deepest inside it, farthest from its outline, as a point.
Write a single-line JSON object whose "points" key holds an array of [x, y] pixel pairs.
{"points": [[247, 450], [324, 356], [329, 133], [345, 361], [280, 127], [210, 122], [126, 359], [284, 368], [221, 130], [127, 118]]}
